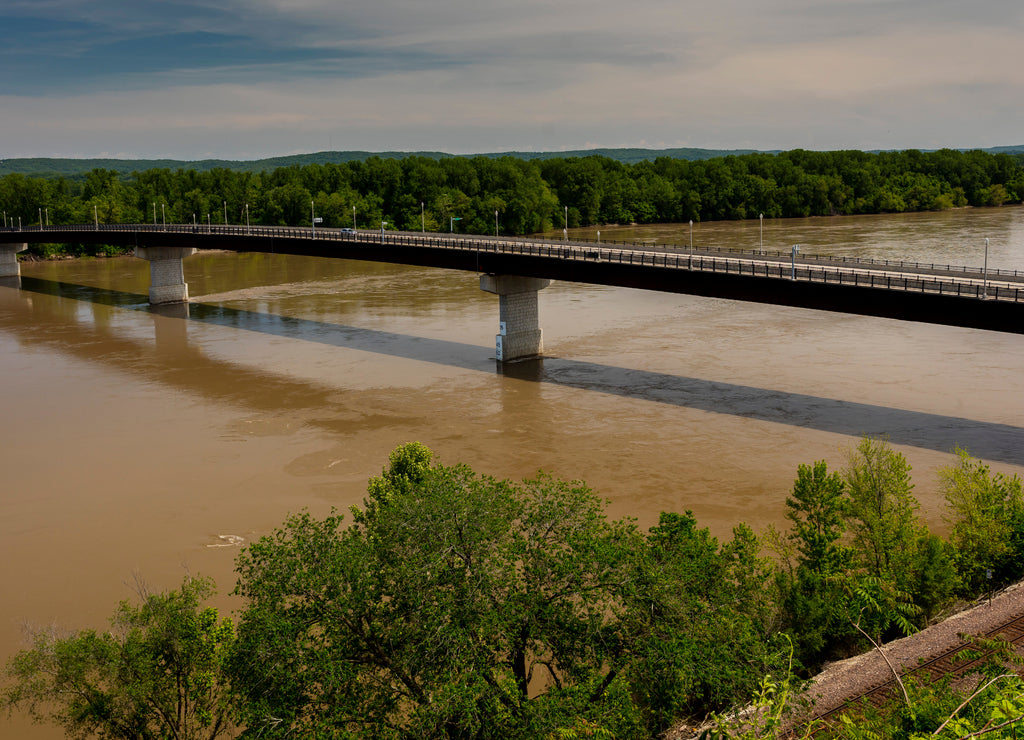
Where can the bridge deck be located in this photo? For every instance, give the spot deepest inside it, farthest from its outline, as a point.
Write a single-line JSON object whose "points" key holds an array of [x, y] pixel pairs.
{"points": [[910, 291]]}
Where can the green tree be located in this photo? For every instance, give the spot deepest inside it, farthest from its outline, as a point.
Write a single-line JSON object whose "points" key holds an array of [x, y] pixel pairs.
{"points": [[816, 510], [454, 605], [812, 599], [890, 542], [881, 511], [986, 517], [699, 623], [157, 674]]}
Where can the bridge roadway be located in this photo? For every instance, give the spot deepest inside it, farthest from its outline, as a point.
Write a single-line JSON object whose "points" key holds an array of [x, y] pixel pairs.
{"points": [[937, 294]]}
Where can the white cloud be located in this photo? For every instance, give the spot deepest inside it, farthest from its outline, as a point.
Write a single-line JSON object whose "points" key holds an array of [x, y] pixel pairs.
{"points": [[462, 77]]}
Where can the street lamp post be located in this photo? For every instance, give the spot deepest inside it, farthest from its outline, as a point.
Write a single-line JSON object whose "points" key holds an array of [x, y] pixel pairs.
{"points": [[354, 218], [46, 212], [247, 219], [565, 229], [598, 236], [423, 219], [495, 224], [95, 217], [382, 225], [163, 216], [761, 244], [225, 213], [985, 272], [792, 273], [154, 213], [451, 223], [691, 236], [40, 219]]}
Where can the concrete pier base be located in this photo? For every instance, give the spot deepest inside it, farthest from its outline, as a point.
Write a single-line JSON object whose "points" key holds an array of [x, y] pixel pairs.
{"points": [[166, 273], [9, 265], [519, 336]]}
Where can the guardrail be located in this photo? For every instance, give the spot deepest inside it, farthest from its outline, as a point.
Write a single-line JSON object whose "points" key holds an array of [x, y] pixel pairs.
{"points": [[950, 284], [806, 256]]}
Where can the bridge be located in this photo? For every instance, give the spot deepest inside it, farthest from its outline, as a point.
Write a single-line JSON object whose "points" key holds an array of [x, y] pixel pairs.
{"points": [[516, 269]]}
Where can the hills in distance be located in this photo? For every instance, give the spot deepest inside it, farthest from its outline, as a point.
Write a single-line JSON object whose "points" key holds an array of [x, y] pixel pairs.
{"points": [[68, 167]]}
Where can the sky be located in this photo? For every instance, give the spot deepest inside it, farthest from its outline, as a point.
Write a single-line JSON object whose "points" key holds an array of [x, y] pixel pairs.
{"points": [[246, 79]]}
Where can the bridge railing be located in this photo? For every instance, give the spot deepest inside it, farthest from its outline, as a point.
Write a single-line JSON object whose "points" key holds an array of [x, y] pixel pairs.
{"points": [[972, 288], [339, 234], [888, 280], [808, 257], [784, 268]]}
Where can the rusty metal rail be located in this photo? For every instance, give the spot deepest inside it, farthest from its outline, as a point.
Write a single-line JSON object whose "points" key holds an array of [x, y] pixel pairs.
{"points": [[948, 663]]}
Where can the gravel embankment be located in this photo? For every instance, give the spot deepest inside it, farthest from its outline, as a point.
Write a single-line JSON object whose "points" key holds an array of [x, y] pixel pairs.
{"points": [[846, 679]]}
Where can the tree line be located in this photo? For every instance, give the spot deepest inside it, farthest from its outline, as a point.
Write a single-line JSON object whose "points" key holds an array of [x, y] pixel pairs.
{"points": [[454, 605], [521, 196]]}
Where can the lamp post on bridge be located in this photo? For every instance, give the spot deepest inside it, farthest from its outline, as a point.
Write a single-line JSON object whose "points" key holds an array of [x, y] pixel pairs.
{"points": [[565, 230], [163, 216], [246, 219], [495, 223], [354, 227], [691, 236], [984, 273], [423, 219], [46, 212], [382, 225], [761, 244], [225, 213], [451, 223], [792, 274], [154, 213]]}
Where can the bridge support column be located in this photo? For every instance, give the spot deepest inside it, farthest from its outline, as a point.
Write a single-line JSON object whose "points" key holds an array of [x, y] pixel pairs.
{"points": [[9, 266], [519, 336], [166, 273]]}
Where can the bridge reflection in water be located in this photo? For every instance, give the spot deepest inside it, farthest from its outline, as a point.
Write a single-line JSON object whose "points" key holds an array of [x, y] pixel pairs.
{"points": [[245, 387]]}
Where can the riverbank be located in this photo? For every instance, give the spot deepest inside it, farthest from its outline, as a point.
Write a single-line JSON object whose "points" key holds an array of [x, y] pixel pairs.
{"points": [[846, 680]]}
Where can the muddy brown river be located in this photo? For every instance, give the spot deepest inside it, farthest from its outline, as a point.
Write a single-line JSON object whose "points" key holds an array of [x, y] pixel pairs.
{"points": [[147, 445]]}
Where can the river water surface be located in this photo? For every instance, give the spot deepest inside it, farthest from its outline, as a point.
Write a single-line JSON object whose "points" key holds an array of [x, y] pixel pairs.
{"points": [[144, 445]]}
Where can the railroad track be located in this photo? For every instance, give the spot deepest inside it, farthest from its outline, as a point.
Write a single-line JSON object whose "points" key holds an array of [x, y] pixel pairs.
{"points": [[949, 663]]}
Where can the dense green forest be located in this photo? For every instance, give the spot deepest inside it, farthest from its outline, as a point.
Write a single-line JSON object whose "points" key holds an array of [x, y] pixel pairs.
{"points": [[76, 168], [454, 605], [528, 195]]}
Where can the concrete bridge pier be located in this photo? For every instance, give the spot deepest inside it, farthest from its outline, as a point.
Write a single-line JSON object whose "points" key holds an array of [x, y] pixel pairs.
{"points": [[9, 266], [166, 273], [519, 336]]}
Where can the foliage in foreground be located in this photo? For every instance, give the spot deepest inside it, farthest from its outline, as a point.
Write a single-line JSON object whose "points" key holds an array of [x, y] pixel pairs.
{"points": [[157, 674], [454, 605], [461, 606]]}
